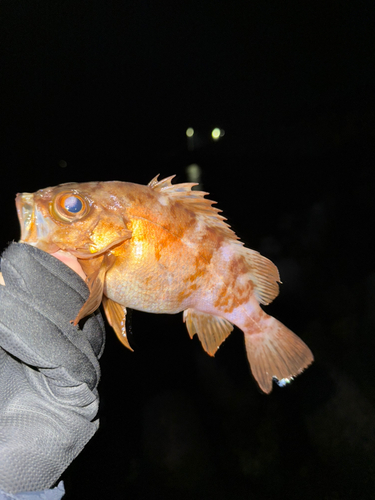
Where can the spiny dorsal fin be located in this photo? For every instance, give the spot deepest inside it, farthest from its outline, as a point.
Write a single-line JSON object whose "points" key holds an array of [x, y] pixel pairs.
{"points": [[196, 201], [211, 330]]}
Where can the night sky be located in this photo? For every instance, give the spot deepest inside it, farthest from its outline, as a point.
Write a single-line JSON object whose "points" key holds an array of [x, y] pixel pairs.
{"points": [[105, 90]]}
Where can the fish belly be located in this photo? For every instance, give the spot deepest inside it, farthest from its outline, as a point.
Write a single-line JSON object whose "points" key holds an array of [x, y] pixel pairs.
{"points": [[152, 287]]}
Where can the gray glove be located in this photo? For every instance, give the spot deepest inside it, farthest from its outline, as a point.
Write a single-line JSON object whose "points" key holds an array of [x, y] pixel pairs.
{"points": [[49, 369]]}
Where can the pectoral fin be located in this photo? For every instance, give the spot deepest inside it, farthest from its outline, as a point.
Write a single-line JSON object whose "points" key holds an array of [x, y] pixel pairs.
{"points": [[95, 282], [211, 330], [116, 316]]}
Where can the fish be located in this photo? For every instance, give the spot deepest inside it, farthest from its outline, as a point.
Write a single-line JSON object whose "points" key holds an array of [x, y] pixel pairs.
{"points": [[165, 248]]}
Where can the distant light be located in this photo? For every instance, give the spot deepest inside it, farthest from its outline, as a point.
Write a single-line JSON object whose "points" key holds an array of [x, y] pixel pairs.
{"points": [[217, 133], [193, 172], [63, 164], [190, 132]]}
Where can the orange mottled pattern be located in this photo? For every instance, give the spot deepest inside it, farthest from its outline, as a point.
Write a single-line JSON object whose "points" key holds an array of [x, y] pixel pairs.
{"points": [[169, 254], [166, 264], [172, 260]]}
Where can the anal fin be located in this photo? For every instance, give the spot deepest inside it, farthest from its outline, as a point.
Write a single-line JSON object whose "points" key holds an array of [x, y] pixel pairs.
{"points": [[211, 330], [116, 316]]}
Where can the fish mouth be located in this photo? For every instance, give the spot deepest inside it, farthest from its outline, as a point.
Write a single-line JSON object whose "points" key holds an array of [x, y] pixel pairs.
{"points": [[25, 212], [35, 228]]}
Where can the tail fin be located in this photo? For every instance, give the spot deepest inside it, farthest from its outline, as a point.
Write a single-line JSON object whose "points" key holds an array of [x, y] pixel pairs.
{"points": [[276, 353]]}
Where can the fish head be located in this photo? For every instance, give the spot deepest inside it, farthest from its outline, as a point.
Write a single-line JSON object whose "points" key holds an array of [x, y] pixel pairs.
{"points": [[84, 219]]}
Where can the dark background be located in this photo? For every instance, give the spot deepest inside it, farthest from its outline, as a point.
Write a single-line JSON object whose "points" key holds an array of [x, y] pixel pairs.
{"points": [[104, 90]]}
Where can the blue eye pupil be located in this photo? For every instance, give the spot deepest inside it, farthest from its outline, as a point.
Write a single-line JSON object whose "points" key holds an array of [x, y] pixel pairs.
{"points": [[73, 204]]}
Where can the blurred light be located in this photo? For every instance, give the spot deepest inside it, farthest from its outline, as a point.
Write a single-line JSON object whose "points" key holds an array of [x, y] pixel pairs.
{"points": [[194, 172], [217, 133], [63, 164], [190, 132]]}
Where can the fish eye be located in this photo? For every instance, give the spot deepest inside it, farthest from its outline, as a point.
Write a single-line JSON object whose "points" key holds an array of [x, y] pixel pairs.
{"points": [[70, 206], [73, 204]]}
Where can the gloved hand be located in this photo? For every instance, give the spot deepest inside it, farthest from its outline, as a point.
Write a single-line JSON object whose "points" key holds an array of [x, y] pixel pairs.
{"points": [[49, 369]]}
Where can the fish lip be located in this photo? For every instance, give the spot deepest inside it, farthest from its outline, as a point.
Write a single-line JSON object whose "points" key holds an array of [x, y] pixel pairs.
{"points": [[25, 211]]}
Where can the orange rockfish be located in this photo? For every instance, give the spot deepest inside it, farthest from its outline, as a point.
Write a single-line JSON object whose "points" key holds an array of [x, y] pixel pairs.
{"points": [[163, 248]]}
